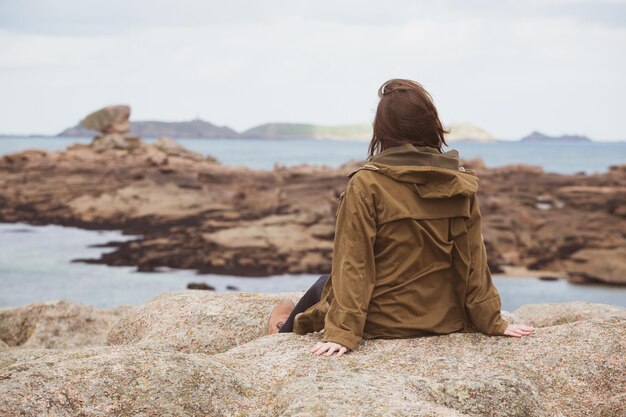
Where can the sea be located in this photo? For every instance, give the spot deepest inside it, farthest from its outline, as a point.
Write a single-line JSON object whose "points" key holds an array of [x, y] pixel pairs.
{"points": [[36, 262]]}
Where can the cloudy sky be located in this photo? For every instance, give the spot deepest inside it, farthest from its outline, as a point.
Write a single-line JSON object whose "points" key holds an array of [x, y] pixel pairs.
{"points": [[508, 66]]}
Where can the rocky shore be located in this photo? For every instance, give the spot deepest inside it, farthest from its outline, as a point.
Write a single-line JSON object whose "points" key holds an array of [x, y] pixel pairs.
{"points": [[193, 353], [193, 212]]}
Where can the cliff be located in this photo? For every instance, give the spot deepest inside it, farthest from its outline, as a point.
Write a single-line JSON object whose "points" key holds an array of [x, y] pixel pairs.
{"points": [[202, 353]]}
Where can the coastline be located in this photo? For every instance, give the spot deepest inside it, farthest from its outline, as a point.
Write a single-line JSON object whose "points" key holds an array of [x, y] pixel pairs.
{"points": [[192, 212]]}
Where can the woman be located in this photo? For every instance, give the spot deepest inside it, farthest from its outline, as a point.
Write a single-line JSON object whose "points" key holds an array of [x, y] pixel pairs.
{"points": [[408, 256]]}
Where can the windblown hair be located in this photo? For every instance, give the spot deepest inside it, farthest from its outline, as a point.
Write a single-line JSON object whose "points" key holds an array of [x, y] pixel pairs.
{"points": [[405, 114]]}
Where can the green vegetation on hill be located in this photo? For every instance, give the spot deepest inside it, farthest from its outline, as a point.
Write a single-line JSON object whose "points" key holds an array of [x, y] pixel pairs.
{"points": [[460, 131], [468, 131], [309, 131]]}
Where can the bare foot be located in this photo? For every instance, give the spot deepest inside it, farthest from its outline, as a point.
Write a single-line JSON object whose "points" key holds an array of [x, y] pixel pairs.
{"points": [[279, 315]]}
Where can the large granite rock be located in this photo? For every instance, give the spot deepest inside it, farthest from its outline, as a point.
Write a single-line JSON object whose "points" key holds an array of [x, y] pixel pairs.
{"points": [[197, 321], [573, 365], [192, 212], [56, 324], [111, 119], [575, 369], [120, 381]]}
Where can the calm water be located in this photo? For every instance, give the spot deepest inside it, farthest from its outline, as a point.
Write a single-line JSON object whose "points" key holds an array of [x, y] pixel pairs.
{"points": [[35, 265], [263, 154]]}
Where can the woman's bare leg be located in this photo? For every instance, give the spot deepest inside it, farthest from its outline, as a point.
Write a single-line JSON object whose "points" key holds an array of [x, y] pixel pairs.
{"points": [[282, 320], [279, 315]]}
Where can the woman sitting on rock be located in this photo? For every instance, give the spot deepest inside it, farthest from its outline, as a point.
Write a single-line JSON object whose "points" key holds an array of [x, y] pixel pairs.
{"points": [[408, 255]]}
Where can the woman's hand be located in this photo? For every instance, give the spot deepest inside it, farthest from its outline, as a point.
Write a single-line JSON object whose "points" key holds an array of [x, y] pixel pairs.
{"points": [[331, 347], [518, 330]]}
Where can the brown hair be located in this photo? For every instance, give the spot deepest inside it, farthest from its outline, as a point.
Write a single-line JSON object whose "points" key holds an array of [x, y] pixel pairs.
{"points": [[405, 114]]}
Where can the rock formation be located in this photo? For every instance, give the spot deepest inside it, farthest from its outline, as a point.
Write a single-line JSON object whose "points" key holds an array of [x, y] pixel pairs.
{"points": [[56, 325], [197, 321], [207, 354], [111, 119], [193, 212]]}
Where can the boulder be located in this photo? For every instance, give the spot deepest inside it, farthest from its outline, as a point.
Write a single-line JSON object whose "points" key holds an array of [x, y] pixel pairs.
{"points": [[120, 381], [111, 119], [200, 286], [574, 369], [571, 366], [56, 324], [197, 321], [168, 145]]}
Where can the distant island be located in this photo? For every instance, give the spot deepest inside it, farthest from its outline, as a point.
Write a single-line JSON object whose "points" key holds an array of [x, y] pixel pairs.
{"points": [[201, 129], [309, 131], [196, 128], [540, 137]]}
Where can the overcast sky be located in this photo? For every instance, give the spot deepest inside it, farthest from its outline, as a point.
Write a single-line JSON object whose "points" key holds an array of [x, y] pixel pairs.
{"points": [[508, 66]]}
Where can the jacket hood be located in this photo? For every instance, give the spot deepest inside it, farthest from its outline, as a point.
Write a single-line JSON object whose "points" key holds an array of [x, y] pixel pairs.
{"points": [[431, 173]]}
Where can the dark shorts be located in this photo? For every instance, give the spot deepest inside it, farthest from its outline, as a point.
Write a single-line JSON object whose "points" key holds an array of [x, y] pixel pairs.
{"points": [[312, 296]]}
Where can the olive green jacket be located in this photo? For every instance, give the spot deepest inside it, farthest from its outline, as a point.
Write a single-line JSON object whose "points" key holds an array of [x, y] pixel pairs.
{"points": [[408, 256]]}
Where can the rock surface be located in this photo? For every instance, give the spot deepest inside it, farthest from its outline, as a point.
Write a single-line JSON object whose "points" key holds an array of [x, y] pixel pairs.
{"points": [[56, 324], [542, 315], [194, 213], [120, 381], [197, 321], [573, 365]]}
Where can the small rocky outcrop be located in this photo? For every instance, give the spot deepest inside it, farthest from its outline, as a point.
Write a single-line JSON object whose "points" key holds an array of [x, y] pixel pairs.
{"points": [[111, 119], [113, 122], [165, 363], [200, 286]]}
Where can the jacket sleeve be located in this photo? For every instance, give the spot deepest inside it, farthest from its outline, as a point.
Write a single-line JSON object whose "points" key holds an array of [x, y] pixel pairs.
{"points": [[353, 272], [482, 302]]}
